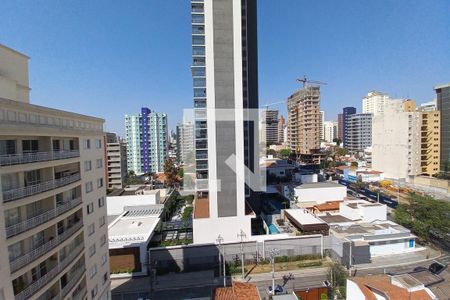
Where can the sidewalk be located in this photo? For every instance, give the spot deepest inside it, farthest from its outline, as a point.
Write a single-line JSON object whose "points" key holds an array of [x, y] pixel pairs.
{"points": [[426, 254], [306, 272]]}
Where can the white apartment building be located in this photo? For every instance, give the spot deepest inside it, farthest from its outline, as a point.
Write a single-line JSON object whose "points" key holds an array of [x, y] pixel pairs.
{"points": [[329, 131], [225, 76], [396, 140], [185, 142], [359, 132], [374, 102], [52, 199], [116, 157], [322, 121]]}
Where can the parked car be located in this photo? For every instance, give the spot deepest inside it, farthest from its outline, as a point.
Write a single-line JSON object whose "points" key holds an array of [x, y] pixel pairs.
{"points": [[278, 290]]}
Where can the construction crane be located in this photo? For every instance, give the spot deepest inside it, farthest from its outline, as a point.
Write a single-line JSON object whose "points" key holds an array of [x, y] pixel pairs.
{"points": [[306, 81]]}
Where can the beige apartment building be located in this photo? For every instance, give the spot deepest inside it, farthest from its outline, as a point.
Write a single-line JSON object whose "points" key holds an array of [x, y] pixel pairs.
{"points": [[405, 141], [116, 157], [304, 120], [53, 244]]}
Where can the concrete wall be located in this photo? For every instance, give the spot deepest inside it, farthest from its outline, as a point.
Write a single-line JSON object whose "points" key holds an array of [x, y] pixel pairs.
{"points": [[440, 184], [206, 256], [116, 204], [321, 195]]}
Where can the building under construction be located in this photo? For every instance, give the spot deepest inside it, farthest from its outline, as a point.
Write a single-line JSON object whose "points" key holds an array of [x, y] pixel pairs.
{"points": [[304, 123]]}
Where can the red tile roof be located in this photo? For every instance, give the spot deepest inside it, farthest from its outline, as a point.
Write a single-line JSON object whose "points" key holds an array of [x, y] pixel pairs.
{"points": [[238, 291]]}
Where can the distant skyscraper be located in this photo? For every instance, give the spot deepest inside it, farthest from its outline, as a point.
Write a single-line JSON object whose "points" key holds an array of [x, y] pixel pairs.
{"points": [[116, 159], [340, 127], [269, 121], [346, 112], [443, 105], [359, 132], [225, 76], [281, 126], [147, 141], [185, 142], [322, 120], [329, 131], [304, 120], [374, 103]]}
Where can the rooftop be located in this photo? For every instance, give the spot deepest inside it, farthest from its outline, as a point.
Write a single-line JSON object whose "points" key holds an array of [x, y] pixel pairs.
{"points": [[377, 228], [303, 216], [319, 185], [382, 284], [135, 225], [238, 291]]}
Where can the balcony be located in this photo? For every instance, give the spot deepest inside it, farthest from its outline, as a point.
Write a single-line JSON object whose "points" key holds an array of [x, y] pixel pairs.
{"points": [[75, 278], [44, 280], [25, 158], [80, 295], [39, 188], [43, 249], [41, 218]]}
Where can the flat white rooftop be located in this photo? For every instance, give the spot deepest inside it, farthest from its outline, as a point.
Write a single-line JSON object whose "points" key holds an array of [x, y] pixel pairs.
{"points": [[321, 185], [135, 226], [303, 216]]}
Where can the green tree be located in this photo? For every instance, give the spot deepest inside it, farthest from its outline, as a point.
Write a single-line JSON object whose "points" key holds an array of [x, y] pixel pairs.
{"points": [[180, 172], [341, 151], [285, 152], [337, 141]]}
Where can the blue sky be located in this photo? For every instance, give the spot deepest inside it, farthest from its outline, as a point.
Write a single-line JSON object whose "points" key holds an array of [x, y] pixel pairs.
{"points": [[108, 57]]}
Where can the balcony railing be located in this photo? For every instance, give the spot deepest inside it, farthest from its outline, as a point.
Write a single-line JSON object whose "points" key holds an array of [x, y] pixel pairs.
{"points": [[44, 280], [39, 188], [41, 218], [25, 158], [75, 278], [80, 295], [43, 249]]}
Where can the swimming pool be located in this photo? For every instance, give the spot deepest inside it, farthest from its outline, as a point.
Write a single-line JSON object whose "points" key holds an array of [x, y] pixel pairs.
{"points": [[273, 229]]}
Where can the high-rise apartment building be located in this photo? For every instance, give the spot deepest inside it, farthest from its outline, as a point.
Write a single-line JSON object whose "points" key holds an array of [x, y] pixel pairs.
{"points": [[147, 141], [322, 120], [346, 112], [340, 127], [116, 159], [405, 140], [358, 132], [281, 126], [329, 131], [225, 77], [185, 142], [54, 243], [443, 105], [304, 120], [269, 122], [374, 103]]}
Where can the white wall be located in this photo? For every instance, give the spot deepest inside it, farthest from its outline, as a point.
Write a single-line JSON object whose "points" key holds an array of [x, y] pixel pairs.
{"points": [[207, 230], [321, 195], [115, 204], [391, 247], [372, 213], [353, 291]]}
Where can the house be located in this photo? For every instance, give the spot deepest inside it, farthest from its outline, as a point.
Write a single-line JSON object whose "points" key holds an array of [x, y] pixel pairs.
{"points": [[320, 192], [237, 291]]}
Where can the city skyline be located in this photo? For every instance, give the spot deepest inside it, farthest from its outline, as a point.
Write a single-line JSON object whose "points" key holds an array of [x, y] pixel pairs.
{"points": [[392, 61]]}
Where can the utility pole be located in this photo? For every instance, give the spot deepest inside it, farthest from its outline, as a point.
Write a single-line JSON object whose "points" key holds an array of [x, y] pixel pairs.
{"points": [[273, 252], [242, 236], [221, 257]]}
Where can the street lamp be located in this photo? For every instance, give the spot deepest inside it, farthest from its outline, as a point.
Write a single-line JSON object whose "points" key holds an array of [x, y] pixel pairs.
{"points": [[221, 257], [242, 236], [273, 252]]}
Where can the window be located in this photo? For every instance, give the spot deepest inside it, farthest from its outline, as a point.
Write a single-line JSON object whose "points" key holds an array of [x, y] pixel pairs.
{"points": [[87, 165], [104, 259], [90, 208], [99, 182], [105, 278], [91, 250], [91, 229], [98, 144], [87, 144], [30, 146], [89, 187], [103, 240], [94, 291], [7, 147], [99, 163], [93, 271], [102, 221], [101, 202]]}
